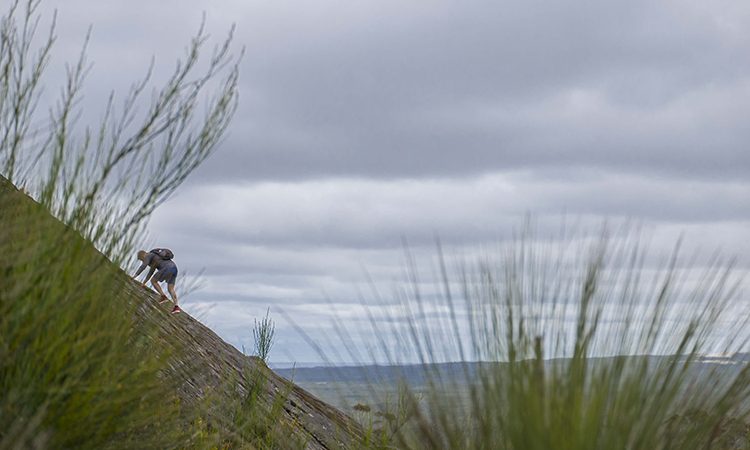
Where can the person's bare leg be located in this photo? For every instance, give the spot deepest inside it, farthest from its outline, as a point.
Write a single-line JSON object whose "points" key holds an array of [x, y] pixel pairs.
{"points": [[156, 285], [172, 293]]}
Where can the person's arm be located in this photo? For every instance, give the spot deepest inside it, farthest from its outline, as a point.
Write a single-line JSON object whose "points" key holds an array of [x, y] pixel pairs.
{"points": [[146, 262], [140, 269]]}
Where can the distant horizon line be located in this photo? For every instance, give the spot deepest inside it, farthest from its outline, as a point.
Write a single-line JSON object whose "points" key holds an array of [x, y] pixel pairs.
{"points": [[285, 365]]}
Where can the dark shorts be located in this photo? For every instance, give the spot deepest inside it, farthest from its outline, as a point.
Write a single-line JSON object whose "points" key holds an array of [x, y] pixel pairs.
{"points": [[168, 274]]}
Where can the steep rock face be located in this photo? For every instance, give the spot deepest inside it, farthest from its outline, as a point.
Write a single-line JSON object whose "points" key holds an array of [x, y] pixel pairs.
{"points": [[216, 361], [213, 361]]}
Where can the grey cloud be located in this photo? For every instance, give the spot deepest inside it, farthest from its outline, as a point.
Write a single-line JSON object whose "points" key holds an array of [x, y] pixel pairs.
{"points": [[344, 109], [448, 89], [365, 214]]}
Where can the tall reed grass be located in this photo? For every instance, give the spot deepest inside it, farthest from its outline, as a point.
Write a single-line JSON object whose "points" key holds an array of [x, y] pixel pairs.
{"points": [[597, 345]]}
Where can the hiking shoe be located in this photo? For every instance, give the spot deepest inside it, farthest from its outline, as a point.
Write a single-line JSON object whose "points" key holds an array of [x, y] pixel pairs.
{"points": [[175, 310], [163, 299]]}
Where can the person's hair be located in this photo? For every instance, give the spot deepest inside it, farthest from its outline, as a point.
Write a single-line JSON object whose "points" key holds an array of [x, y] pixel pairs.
{"points": [[142, 254]]}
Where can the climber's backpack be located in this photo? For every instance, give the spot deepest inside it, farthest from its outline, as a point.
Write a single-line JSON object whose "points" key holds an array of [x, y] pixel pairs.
{"points": [[163, 253]]}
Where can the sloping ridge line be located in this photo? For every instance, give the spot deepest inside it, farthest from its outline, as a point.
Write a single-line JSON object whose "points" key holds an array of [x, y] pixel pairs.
{"points": [[327, 427]]}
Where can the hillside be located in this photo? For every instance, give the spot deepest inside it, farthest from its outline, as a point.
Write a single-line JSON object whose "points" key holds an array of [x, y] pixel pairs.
{"points": [[214, 366]]}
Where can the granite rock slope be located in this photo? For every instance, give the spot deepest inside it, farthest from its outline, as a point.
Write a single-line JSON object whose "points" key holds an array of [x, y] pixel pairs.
{"points": [[214, 361]]}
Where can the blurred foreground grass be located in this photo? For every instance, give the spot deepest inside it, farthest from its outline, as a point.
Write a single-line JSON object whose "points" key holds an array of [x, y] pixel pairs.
{"points": [[594, 346], [75, 355]]}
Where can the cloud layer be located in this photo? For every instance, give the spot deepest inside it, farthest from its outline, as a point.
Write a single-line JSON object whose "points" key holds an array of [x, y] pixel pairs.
{"points": [[364, 122]]}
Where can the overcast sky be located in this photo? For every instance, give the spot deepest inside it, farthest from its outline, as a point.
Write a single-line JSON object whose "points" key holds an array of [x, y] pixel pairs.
{"points": [[362, 122]]}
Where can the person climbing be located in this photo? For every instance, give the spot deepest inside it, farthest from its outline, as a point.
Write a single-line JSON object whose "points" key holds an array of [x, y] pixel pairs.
{"points": [[160, 259]]}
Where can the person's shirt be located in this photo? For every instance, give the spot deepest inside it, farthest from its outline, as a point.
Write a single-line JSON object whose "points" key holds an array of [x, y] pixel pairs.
{"points": [[149, 260]]}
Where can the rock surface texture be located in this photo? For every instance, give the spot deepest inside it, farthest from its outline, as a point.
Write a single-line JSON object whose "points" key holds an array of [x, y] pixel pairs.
{"points": [[214, 361]]}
